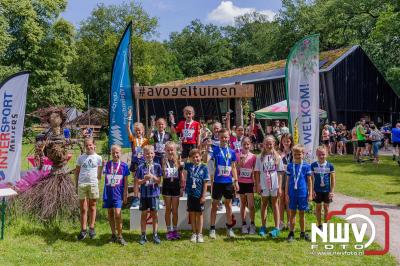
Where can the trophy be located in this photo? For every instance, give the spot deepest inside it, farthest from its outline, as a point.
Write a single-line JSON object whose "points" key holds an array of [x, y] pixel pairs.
{"points": [[171, 117], [153, 122], [179, 148]]}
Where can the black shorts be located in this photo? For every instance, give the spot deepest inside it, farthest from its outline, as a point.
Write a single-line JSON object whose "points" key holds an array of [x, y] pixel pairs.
{"points": [[152, 204], [332, 139], [396, 144], [369, 142], [186, 148], [326, 141], [245, 188], [194, 205], [361, 143], [171, 191], [322, 197], [225, 190]]}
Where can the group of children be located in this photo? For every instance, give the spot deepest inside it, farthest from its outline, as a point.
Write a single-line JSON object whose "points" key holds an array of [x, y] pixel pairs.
{"points": [[219, 158]]}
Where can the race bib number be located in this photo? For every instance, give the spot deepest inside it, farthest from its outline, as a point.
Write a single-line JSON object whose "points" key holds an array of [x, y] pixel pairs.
{"points": [[139, 151], [224, 170], [188, 133], [171, 173], [245, 172], [160, 147], [114, 180]]}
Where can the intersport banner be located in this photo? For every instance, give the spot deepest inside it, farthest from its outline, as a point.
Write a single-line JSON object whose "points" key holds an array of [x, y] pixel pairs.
{"points": [[302, 90], [121, 92], [12, 112]]}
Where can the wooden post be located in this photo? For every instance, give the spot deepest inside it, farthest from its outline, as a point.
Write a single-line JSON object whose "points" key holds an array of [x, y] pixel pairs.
{"points": [[137, 106], [238, 109], [146, 113]]}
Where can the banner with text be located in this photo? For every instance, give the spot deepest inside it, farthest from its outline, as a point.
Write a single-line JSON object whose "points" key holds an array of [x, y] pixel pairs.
{"points": [[302, 90], [121, 92], [12, 104], [193, 91]]}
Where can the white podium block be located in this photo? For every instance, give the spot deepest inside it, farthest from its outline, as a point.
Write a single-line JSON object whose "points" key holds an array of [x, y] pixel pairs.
{"points": [[183, 216]]}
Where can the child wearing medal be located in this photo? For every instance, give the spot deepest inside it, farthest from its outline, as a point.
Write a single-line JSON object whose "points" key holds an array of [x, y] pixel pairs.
{"points": [[225, 182], [148, 177], [160, 137], [188, 129], [171, 189], [196, 188], [115, 193], [268, 176], [299, 190], [324, 183], [245, 170]]}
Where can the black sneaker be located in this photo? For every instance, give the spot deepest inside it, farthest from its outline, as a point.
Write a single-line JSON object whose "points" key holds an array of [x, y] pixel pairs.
{"points": [[143, 240], [156, 239], [121, 241], [290, 237], [113, 239], [305, 236], [92, 233], [82, 235]]}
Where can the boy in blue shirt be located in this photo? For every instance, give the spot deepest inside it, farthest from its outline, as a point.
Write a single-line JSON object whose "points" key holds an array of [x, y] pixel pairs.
{"points": [[225, 181], [148, 177], [115, 192], [299, 192], [324, 183], [196, 188]]}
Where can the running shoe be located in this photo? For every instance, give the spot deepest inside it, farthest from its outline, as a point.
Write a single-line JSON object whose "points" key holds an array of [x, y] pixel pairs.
{"points": [[176, 235], [143, 240], [253, 229], [230, 233], [92, 233], [213, 234], [245, 229], [263, 231], [170, 235], [193, 238], [274, 233], [121, 241], [113, 239], [82, 235], [290, 237], [156, 239], [281, 225], [305, 236], [200, 238]]}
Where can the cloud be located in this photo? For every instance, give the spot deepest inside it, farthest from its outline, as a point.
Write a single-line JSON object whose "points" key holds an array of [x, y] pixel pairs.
{"points": [[226, 12]]}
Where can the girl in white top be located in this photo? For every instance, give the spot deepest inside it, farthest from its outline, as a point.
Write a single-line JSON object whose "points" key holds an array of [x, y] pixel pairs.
{"points": [[268, 176]]}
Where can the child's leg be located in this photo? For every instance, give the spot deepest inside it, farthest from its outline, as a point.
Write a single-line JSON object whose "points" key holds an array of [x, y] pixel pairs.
{"points": [[92, 212], [175, 206], [192, 217], [282, 206], [326, 210], [264, 205], [111, 219], [243, 203], [199, 222], [292, 219], [118, 221], [83, 204], [228, 208], [302, 221], [275, 208], [318, 213], [154, 216], [167, 200], [250, 205], [213, 215], [143, 220]]}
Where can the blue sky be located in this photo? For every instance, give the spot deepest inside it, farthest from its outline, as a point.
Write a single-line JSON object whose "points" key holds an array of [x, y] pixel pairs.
{"points": [[174, 15]]}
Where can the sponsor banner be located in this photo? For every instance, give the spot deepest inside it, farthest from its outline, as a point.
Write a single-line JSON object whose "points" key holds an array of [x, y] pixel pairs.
{"points": [[182, 92], [12, 112], [302, 90], [121, 92]]}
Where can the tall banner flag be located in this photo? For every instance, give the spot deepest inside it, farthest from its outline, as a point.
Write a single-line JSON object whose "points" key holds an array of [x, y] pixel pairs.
{"points": [[121, 92], [12, 104], [302, 90]]}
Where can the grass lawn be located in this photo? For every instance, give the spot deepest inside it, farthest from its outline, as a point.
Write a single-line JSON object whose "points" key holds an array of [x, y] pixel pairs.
{"points": [[28, 242], [379, 182]]}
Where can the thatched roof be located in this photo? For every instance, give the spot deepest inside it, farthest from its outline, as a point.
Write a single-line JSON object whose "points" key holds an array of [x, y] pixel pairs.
{"points": [[328, 56], [93, 116]]}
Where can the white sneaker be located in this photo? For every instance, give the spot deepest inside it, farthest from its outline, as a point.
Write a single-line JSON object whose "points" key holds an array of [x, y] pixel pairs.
{"points": [[281, 225], [245, 229], [253, 229], [213, 234], [230, 233], [193, 238], [200, 238]]}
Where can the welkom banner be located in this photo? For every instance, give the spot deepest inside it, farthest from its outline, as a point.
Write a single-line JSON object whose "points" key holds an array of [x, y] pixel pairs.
{"points": [[12, 104], [302, 90], [121, 92]]}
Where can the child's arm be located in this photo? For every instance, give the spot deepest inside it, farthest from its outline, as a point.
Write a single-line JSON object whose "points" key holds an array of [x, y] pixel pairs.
{"points": [[198, 141], [280, 183], [333, 184], [235, 177], [100, 170], [287, 188], [257, 181], [125, 198], [128, 125], [77, 171], [203, 196], [228, 122], [310, 187]]}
